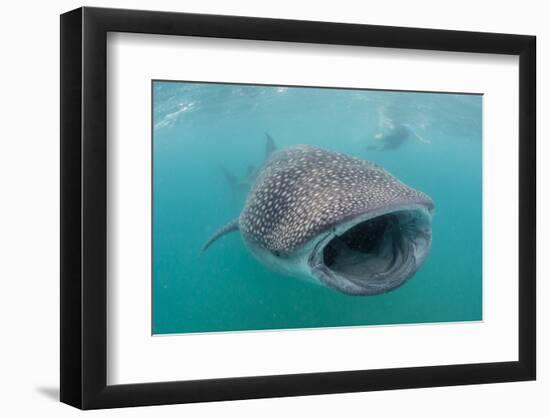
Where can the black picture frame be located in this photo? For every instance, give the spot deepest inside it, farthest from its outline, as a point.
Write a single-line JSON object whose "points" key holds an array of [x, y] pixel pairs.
{"points": [[84, 207]]}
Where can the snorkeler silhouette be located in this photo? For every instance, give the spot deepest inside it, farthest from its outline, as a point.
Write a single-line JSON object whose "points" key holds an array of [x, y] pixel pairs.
{"points": [[393, 137], [393, 133]]}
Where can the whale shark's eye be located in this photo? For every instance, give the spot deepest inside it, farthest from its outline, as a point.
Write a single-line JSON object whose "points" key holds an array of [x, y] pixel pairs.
{"points": [[276, 253]]}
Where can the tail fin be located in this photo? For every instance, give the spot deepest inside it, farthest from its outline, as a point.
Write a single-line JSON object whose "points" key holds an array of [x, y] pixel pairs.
{"points": [[236, 187], [228, 228], [229, 177]]}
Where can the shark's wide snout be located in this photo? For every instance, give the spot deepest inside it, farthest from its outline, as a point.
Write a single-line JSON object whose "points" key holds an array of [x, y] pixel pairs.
{"points": [[373, 254]]}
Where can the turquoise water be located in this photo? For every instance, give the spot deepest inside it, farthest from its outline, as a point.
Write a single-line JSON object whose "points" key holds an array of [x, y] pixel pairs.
{"points": [[201, 130]]}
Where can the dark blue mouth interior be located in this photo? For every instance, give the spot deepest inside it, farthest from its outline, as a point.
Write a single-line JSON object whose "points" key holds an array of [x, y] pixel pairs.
{"points": [[361, 240], [376, 255]]}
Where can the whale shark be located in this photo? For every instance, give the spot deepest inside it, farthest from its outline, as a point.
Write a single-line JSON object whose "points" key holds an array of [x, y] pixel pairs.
{"points": [[336, 220]]}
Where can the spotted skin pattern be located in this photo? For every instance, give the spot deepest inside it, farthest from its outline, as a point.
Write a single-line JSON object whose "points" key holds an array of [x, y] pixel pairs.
{"points": [[305, 190]]}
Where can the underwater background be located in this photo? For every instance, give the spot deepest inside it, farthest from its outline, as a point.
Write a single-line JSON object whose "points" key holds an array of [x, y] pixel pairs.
{"points": [[209, 140]]}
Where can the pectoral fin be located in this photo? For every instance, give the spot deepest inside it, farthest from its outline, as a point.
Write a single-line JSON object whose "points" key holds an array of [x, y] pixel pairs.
{"points": [[232, 226]]}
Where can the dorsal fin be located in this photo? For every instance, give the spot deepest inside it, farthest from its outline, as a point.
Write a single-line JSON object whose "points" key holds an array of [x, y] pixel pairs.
{"points": [[269, 146], [232, 226]]}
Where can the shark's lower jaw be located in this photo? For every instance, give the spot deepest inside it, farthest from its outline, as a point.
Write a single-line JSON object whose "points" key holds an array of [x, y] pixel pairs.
{"points": [[374, 253]]}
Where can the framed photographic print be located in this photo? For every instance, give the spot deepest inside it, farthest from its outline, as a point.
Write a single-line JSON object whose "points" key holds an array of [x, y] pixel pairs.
{"points": [[257, 207]]}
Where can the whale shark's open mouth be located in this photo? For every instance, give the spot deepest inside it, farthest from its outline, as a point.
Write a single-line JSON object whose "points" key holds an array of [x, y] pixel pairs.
{"points": [[373, 254]]}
